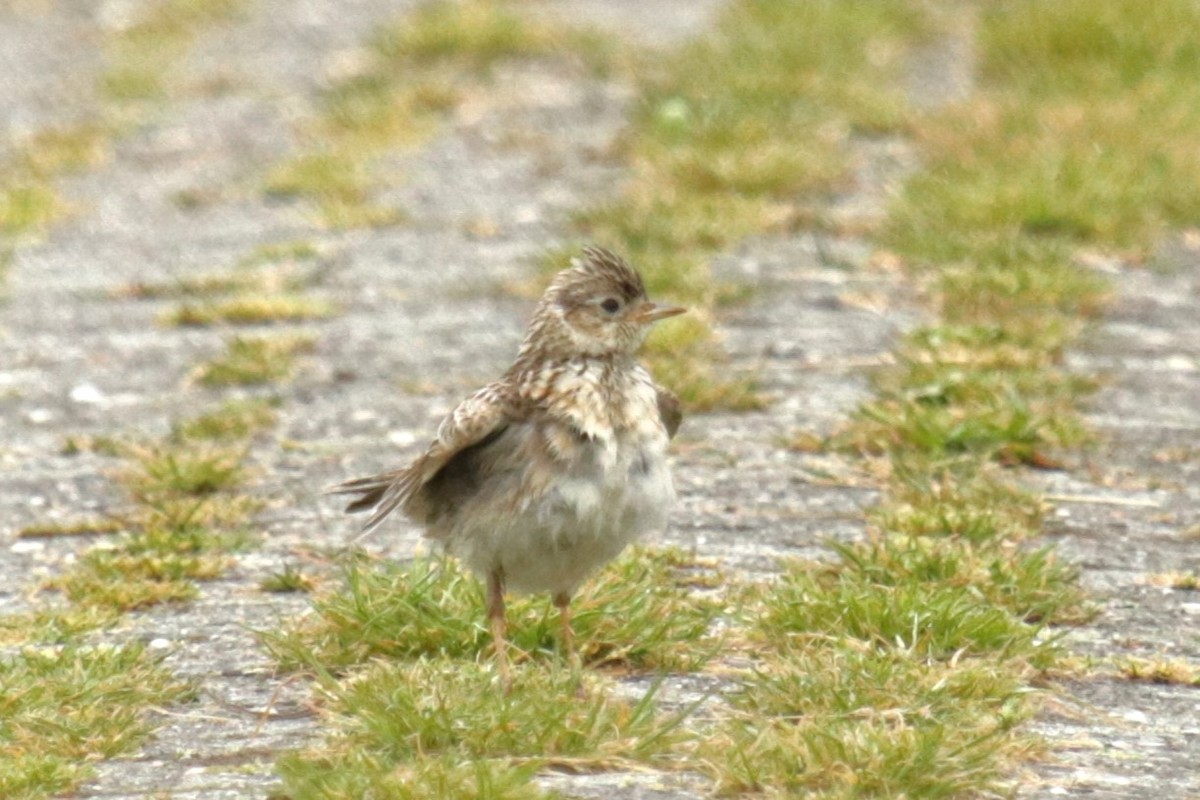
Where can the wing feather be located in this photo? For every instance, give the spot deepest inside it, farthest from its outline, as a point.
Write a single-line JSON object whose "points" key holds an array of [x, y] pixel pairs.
{"points": [[481, 415]]}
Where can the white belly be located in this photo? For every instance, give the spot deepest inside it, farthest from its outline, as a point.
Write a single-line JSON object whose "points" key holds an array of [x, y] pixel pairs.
{"points": [[614, 491]]}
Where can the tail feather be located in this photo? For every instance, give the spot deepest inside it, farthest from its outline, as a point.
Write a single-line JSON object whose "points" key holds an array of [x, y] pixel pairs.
{"points": [[368, 500], [382, 493]]}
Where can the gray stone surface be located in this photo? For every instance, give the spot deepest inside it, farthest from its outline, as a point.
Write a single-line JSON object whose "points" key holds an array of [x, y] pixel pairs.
{"points": [[49, 60], [424, 319], [1130, 511]]}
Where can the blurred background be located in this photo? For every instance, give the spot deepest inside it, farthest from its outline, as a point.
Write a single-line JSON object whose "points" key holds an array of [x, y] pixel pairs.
{"points": [[941, 372]]}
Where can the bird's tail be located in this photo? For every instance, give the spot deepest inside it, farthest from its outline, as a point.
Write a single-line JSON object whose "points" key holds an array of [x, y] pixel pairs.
{"points": [[383, 493]]}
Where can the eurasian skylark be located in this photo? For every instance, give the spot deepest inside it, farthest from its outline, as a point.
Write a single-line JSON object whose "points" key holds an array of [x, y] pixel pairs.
{"points": [[542, 477]]}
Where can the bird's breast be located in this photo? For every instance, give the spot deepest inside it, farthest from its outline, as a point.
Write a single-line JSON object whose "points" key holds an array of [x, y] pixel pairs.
{"points": [[605, 401], [564, 490], [596, 454]]}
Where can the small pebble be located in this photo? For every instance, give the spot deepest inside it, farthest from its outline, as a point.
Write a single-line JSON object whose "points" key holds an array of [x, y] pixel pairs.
{"points": [[87, 394], [401, 438]]}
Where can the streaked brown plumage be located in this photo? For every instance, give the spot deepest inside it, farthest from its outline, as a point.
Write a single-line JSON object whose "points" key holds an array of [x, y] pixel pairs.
{"points": [[544, 475]]}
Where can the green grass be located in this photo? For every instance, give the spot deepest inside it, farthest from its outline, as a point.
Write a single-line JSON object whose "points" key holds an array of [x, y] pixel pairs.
{"points": [[254, 361], [74, 527], [189, 504], [60, 624], [403, 659], [268, 269], [838, 722], [233, 420], [900, 669], [168, 469], [55, 151], [472, 35], [189, 508], [268, 286], [63, 708], [1047, 160], [418, 71], [28, 199], [101, 445], [249, 309], [66, 705], [933, 619], [188, 511], [1086, 134], [142, 56], [288, 580], [27, 205], [211, 284], [187, 516], [432, 728], [639, 614], [339, 187], [1168, 671], [444, 776], [734, 135]]}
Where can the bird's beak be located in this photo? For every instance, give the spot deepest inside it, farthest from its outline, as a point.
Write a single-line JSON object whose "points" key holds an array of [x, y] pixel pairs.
{"points": [[649, 312]]}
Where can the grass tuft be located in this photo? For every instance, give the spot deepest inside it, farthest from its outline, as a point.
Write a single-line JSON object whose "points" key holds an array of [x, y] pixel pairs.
{"points": [[162, 471], [142, 56], [846, 722], [27, 205], [76, 527], [233, 420], [189, 512], [55, 151], [250, 309], [1189, 581], [926, 609], [474, 35], [637, 614], [408, 728], [334, 778], [254, 360], [1160, 670], [287, 580], [63, 707]]}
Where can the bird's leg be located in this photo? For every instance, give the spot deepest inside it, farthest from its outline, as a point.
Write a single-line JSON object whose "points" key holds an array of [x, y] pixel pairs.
{"points": [[495, 612], [563, 601]]}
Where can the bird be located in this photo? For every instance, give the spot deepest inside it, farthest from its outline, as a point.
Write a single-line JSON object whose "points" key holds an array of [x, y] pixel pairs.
{"points": [[545, 475]]}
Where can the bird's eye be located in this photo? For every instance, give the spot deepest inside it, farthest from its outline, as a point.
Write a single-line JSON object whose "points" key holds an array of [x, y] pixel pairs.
{"points": [[611, 305]]}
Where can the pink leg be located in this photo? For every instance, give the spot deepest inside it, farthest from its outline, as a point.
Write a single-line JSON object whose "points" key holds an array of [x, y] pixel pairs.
{"points": [[495, 612], [563, 601]]}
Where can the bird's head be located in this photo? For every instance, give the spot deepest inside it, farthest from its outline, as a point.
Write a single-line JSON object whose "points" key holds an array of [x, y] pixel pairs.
{"points": [[596, 307]]}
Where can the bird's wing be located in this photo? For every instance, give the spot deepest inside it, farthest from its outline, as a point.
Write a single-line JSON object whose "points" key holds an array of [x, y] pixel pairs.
{"points": [[670, 411], [483, 414]]}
